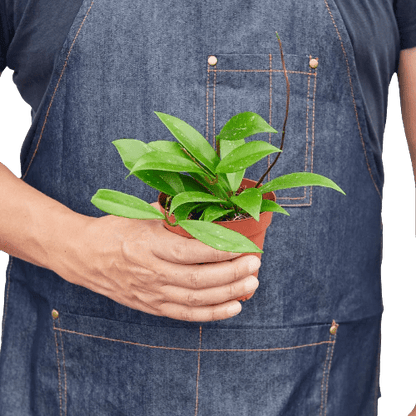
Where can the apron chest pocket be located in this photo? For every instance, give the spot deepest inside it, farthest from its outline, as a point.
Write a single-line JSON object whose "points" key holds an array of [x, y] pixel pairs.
{"points": [[256, 82]]}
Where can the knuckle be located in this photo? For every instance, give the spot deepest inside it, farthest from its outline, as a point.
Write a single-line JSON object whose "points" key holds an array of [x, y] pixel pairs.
{"points": [[236, 271], [194, 279], [179, 252], [186, 315], [232, 291], [193, 299], [215, 315]]}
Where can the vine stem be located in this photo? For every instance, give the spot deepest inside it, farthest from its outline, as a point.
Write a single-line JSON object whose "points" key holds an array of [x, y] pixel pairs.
{"points": [[287, 114]]}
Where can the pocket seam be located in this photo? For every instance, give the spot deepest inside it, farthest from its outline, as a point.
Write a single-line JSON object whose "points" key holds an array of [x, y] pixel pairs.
{"points": [[194, 349], [63, 404], [325, 376]]}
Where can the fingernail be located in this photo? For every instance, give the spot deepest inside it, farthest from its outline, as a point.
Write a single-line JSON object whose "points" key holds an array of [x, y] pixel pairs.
{"points": [[253, 264], [252, 284], [234, 309]]}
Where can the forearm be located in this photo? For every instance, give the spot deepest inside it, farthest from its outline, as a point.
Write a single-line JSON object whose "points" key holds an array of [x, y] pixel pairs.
{"points": [[34, 227], [407, 83]]}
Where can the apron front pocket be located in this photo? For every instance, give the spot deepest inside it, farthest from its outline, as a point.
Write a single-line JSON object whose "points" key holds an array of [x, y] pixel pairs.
{"points": [[107, 367]]}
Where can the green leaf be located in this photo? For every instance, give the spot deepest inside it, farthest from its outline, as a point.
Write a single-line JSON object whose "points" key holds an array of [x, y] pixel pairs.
{"points": [[219, 237], [131, 150], [213, 212], [245, 156], [192, 140], [185, 197], [293, 180], [158, 160], [250, 200], [182, 212], [226, 147], [243, 125], [123, 205], [268, 205], [170, 147]]}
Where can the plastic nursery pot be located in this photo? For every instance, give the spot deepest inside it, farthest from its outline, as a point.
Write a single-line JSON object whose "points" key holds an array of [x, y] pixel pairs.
{"points": [[249, 227]]}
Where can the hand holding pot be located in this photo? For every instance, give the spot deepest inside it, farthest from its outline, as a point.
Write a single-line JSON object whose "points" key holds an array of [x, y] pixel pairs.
{"points": [[140, 264]]}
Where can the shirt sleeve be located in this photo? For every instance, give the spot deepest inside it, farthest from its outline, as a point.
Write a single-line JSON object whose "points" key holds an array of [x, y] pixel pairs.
{"points": [[405, 11], [4, 35]]}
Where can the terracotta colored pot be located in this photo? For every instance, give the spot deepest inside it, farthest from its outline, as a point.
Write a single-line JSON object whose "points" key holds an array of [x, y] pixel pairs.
{"points": [[249, 227]]}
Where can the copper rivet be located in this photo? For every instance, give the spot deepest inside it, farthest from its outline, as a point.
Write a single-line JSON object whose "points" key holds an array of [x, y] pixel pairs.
{"points": [[313, 63], [55, 314], [212, 60], [334, 328]]}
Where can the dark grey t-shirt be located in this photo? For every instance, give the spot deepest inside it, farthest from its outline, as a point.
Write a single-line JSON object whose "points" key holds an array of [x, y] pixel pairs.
{"points": [[32, 33]]}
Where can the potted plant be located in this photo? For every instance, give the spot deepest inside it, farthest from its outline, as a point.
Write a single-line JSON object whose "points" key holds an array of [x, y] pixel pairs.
{"points": [[203, 192]]}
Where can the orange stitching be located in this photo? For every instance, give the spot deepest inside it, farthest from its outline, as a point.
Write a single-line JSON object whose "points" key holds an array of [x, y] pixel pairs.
{"points": [[259, 70], [213, 110], [59, 369], [199, 369], [313, 122], [313, 131], [329, 370], [195, 349], [377, 376], [307, 120], [207, 99], [56, 89], [7, 297], [296, 205], [63, 357], [323, 379], [353, 99], [270, 107]]}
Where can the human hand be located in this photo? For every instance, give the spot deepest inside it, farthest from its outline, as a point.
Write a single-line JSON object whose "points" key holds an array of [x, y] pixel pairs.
{"points": [[413, 412], [140, 264]]}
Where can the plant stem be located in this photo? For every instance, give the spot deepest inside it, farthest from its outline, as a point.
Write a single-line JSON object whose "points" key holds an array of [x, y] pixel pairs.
{"points": [[217, 144], [287, 113], [198, 164]]}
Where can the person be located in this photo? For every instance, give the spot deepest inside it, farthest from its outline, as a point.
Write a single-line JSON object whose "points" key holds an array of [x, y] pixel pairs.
{"points": [[106, 315]]}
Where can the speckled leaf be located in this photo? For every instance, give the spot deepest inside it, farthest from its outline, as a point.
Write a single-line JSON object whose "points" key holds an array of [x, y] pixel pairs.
{"points": [[186, 197], [243, 125], [244, 156], [219, 237], [191, 139], [131, 150], [123, 205], [271, 206], [250, 200], [213, 212], [173, 148], [226, 147], [293, 180], [158, 160]]}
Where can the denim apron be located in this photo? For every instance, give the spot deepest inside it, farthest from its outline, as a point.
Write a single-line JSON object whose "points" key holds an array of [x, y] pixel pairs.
{"points": [[69, 351]]}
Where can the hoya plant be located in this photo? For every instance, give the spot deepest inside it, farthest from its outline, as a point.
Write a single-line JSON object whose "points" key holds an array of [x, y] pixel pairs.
{"points": [[203, 184]]}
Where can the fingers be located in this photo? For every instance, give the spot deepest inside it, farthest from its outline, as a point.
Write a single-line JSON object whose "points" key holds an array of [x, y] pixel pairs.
{"points": [[201, 314], [211, 275], [210, 296]]}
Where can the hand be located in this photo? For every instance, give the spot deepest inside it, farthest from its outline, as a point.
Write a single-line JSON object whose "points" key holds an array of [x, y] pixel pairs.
{"points": [[142, 265], [413, 412]]}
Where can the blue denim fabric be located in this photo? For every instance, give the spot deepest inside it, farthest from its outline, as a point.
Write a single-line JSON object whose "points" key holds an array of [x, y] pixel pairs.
{"points": [[121, 62]]}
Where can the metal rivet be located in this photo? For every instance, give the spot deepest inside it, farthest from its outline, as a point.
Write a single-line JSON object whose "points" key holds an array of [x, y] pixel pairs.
{"points": [[55, 314], [334, 328], [313, 63], [212, 60]]}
